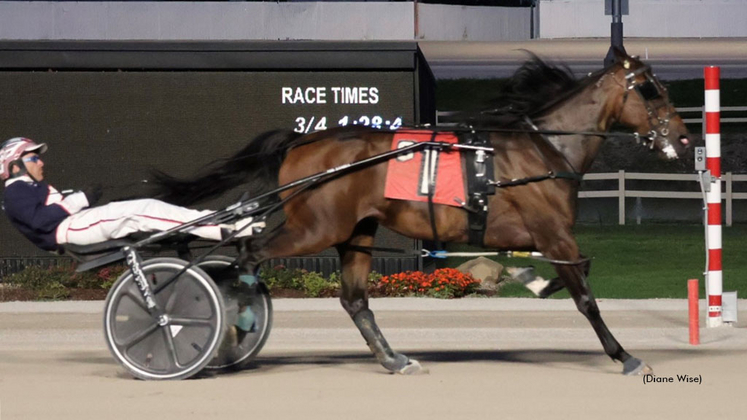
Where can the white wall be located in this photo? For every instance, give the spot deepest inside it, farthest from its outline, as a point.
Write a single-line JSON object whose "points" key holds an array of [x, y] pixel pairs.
{"points": [[205, 20], [134, 20], [440, 22], [647, 18]]}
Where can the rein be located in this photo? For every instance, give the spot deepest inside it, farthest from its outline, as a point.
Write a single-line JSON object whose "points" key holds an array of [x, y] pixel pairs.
{"points": [[455, 130], [109, 187], [458, 130]]}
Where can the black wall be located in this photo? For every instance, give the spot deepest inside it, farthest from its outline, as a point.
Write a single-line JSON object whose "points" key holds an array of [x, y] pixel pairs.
{"points": [[111, 111]]}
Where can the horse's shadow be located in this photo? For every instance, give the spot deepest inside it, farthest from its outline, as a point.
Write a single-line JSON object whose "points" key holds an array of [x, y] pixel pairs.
{"points": [[579, 360]]}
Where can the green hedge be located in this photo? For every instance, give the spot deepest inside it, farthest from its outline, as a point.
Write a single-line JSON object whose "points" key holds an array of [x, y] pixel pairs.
{"points": [[54, 283]]}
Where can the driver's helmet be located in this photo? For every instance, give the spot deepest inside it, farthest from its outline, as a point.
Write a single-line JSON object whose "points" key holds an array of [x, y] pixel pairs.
{"points": [[11, 152]]}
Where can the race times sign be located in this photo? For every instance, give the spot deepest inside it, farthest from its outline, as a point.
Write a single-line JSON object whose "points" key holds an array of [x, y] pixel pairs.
{"points": [[358, 97], [309, 102]]}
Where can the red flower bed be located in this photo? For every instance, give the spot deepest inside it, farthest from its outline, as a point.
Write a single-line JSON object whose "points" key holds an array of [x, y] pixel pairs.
{"points": [[444, 283]]}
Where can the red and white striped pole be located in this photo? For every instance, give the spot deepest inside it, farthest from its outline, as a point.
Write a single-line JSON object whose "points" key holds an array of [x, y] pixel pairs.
{"points": [[714, 276]]}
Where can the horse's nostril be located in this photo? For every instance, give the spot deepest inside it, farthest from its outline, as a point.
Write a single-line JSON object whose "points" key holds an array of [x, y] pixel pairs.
{"points": [[684, 140]]}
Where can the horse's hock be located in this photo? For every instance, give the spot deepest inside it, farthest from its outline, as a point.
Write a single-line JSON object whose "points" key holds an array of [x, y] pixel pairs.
{"points": [[485, 270]]}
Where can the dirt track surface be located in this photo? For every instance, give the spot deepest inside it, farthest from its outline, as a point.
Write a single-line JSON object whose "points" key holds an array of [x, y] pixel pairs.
{"points": [[488, 359]]}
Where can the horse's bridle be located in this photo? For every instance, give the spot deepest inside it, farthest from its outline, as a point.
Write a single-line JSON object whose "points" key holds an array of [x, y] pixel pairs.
{"points": [[649, 90]]}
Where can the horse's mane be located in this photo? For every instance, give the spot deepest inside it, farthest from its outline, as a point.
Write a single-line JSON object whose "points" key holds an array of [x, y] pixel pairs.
{"points": [[533, 89], [259, 162], [257, 165]]}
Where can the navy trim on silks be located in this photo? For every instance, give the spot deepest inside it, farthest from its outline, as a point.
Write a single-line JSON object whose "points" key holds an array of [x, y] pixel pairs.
{"points": [[26, 206]]}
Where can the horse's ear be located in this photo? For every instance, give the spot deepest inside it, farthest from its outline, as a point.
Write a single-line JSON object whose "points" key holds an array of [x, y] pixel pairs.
{"points": [[622, 57], [620, 54]]}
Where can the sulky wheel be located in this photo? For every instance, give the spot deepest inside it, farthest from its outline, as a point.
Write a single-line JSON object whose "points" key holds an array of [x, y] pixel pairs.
{"points": [[180, 341], [249, 315]]}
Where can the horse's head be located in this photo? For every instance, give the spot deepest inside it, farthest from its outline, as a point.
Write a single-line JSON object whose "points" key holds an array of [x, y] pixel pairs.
{"points": [[644, 106]]}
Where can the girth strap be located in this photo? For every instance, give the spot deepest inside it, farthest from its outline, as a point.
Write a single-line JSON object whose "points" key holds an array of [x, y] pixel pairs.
{"points": [[431, 165]]}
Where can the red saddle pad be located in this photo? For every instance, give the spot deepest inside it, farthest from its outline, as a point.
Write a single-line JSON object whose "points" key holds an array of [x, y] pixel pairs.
{"points": [[408, 175]]}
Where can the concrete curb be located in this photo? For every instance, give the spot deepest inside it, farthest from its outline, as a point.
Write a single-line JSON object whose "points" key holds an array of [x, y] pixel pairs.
{"points": [[397, 304]]}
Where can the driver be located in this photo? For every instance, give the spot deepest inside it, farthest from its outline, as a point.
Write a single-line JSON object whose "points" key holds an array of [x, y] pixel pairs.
{"points": [[50, 219]]}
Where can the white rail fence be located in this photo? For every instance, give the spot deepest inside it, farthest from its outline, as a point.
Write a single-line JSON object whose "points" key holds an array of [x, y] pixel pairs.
{"points": [[701, 110], [728, 179]]}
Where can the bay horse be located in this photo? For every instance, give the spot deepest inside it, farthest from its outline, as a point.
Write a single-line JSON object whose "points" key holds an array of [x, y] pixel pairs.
{"points": [[344, 212]]}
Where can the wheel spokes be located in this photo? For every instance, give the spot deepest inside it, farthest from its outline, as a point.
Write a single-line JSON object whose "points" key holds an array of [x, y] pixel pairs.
{"points": [[192, 322], [136, 299], [137, 338], [174, 357]]}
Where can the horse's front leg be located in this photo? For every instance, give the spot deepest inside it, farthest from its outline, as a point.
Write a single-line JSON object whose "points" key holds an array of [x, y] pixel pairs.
{"points": [[356, 265], [565, 248]]}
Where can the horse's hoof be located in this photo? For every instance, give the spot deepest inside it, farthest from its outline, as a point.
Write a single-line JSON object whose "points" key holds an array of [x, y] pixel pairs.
{"points": [[634, 366], [413, 367]]}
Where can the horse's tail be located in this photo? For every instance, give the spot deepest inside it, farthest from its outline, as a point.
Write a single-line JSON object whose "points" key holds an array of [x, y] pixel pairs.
{"points": [[258, 162]]}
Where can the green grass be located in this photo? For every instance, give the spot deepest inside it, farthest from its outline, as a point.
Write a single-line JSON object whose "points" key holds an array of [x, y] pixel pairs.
{"points": [[647, 261]]}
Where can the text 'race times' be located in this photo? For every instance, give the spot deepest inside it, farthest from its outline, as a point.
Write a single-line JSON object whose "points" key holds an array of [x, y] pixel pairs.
{"points": [[341, 106], [334, 95]]}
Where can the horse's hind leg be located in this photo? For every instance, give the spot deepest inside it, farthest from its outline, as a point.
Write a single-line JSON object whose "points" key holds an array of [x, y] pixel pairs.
{"points": [[575, 281], [356, 265], [253, 250]]}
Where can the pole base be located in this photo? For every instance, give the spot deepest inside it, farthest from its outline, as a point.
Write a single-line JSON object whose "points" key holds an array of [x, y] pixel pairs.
{"points": [[713, 322]]}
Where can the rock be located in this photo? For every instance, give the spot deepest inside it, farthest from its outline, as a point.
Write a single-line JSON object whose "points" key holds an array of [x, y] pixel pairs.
{"points": [[485, 270]]}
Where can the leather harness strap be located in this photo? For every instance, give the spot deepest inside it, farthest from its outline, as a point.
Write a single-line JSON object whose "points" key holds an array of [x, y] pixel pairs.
{"points": [[479, 171], [432, 189]]}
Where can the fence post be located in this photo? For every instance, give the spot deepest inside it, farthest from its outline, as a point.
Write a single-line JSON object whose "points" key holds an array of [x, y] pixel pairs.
{"points": [[728, 198], [621, 197], [703, 122]]}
